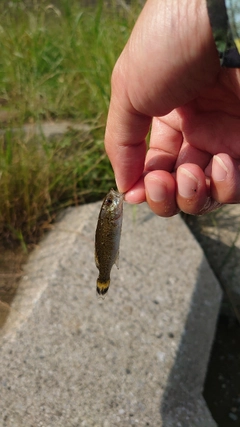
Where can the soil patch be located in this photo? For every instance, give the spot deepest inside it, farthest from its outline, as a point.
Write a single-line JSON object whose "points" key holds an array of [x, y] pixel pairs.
{"points": [[11, 270]]}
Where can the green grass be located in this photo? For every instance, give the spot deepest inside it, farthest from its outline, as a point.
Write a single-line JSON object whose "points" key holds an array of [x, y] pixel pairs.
{"points": [[55, 63], [40, 177]]}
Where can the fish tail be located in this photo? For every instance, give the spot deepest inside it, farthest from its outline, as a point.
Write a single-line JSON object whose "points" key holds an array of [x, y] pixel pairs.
{"points": [[102, 287]]}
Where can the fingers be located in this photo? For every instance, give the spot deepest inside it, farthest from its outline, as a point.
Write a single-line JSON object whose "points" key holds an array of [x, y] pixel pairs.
{"points": [[160, 188], [190, 154], [167, 194], [165, 143], [201, 184], [201, 191], [225, 179], [193, 192]]}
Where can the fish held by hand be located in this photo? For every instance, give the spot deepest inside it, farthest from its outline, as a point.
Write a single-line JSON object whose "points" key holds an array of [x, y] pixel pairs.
{"points": [[107, 238]]}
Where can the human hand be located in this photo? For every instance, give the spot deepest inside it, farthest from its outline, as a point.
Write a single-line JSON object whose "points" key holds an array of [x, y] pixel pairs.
{"points": [[168, 76]]}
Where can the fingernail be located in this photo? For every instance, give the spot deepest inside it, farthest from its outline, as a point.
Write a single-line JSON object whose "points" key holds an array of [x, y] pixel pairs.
{"points": [[156, 189], [219, 169], [187, 183]]}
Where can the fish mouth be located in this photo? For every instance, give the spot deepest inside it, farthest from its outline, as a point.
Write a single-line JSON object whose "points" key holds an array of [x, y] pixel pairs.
{"points": [[117, 194]]}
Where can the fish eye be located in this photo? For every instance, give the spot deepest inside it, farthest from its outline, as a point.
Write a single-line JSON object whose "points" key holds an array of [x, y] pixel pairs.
{"points": [[109, 201]]}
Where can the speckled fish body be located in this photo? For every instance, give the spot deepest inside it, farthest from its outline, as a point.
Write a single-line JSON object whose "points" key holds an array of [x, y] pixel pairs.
{"points": [[107, 239]]}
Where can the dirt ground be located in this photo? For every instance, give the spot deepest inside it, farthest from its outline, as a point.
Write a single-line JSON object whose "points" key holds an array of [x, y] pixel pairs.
{"points": [[11, 264]]}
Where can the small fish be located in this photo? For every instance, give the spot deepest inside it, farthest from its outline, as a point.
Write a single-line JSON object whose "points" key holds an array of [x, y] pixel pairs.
{"points": [[107, 238]]}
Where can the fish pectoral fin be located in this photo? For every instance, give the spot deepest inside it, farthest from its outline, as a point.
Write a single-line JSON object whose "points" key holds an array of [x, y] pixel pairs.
{"points": [[116, 262], [96, 261]]}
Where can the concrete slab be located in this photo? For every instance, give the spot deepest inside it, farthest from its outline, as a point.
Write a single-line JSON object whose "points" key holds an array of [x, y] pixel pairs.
{"points": [[48, 129], [139, 357]]}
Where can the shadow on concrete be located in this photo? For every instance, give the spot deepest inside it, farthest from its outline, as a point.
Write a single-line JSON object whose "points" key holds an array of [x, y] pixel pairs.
{"points": [[182, 403], [223, 259], [222, 384], [225, 265]]}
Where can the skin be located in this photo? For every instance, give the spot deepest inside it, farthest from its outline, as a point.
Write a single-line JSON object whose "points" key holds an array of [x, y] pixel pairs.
{"points": [[168, 78]]}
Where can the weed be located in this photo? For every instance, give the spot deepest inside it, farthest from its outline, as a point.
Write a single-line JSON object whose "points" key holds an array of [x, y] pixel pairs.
{"points": [[56, 61], [40, 177]]}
